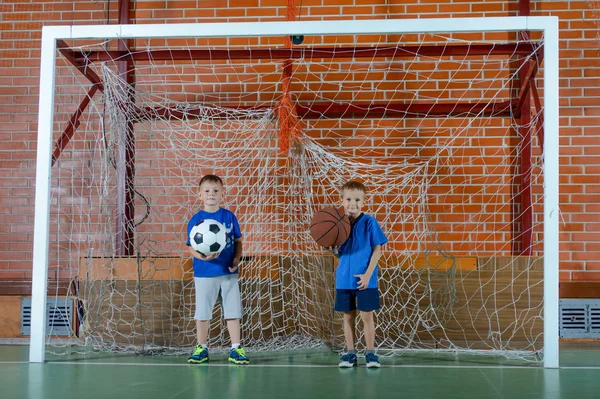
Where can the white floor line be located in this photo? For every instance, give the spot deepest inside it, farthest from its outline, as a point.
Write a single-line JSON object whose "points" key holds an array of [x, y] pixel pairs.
{"points": [[421, 366], [289, 365]]}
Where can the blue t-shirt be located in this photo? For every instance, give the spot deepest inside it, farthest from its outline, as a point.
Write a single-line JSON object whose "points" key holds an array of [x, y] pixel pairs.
{"points": [[220, 265], [355, 253]]}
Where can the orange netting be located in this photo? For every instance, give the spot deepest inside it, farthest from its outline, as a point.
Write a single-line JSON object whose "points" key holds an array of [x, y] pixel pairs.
{"points": [[289, 125]]}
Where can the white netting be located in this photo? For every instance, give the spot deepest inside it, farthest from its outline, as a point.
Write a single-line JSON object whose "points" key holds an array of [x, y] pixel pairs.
{"points": [[443, 185]]}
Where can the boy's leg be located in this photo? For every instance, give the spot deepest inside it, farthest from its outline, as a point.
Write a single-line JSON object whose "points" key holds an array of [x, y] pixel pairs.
{"points": [[349, 329], [368, 302], [369, 328], [231, 303], [207, 290], [232, 312], [202, 327], [345, 301], [349, 359], [233, 326]]}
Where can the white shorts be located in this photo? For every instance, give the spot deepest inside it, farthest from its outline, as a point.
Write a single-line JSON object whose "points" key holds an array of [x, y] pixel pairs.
{"points": [[208, 289]]}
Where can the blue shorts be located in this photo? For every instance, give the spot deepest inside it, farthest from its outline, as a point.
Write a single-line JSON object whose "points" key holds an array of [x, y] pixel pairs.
{"points": [[350, 300]]}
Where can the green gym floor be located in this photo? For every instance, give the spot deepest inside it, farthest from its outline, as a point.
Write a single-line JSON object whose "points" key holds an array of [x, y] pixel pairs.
{"points": [[302, 374]]}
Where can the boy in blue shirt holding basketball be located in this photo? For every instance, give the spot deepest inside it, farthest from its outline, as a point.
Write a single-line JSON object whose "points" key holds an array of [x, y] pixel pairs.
{"points": [[217, 274], [356, 274]]}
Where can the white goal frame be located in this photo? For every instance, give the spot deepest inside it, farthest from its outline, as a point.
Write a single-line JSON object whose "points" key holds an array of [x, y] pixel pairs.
{"points": [[50, 34]]}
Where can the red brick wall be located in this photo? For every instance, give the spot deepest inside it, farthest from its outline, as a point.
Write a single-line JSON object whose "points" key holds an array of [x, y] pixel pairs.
{"points": [[21, 21]]}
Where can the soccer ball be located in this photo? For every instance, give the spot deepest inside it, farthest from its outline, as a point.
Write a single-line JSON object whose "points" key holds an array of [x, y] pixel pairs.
{"points": [[208, 237]]}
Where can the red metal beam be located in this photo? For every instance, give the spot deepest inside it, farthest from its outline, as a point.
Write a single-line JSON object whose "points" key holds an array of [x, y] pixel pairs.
{"points": [[540, 115], [72, 125], [125, 224], [526, 210], [525, 82], [81, 65], [397, 110], [308, 53], [524, 8], [356, 111], [524, 111]]}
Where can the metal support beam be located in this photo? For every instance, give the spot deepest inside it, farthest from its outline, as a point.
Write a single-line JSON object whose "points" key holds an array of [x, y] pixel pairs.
{"points": [[124, 239], [72, 125], [352, 110], [525, 82], [308, 53], [81, 64], [540, 115], [525, 213]]}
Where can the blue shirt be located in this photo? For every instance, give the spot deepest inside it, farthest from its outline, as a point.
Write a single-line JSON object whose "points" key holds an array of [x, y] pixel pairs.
{"points": [[220, 265], [355, 253]]}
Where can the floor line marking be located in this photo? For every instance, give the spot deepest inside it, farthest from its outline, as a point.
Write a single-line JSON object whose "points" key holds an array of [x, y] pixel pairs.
{"points": [[423, 366], [291, 365]]}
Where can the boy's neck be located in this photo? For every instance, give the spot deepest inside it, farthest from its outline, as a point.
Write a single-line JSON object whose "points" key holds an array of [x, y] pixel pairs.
{"points": [[211, 209], [353, 217]]}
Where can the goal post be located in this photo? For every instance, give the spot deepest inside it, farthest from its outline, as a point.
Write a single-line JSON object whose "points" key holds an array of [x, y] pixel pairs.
{"points": [[547, 26]]}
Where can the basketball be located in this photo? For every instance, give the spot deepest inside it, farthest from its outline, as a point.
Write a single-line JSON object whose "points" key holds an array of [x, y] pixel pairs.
{"points": [[330, 227]]}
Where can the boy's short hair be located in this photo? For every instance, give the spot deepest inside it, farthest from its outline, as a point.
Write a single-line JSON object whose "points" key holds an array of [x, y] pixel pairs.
{"points": [[210, 179], [354, 185]]}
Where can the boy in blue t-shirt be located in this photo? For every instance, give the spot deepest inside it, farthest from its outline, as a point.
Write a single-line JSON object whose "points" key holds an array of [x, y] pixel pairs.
{"points": [[217, 274], [356, 273]]}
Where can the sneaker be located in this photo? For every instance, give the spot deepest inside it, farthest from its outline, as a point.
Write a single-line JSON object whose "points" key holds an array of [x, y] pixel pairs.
{"points": [[348, 360], [372, 360], [200, 355], [238, 356]]}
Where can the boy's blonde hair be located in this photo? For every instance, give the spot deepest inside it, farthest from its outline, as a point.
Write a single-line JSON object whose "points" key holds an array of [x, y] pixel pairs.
{"points": [[210, 179], [354, 185]]}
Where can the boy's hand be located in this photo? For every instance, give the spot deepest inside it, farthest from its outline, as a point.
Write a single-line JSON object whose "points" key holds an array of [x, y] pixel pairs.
{"points": [[334, 251], [363, 281], [234, 265], [208, 257]]}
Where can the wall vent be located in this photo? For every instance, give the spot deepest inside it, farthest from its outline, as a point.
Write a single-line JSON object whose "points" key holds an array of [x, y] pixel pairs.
{"points": [[59, 316], [579, 318]]}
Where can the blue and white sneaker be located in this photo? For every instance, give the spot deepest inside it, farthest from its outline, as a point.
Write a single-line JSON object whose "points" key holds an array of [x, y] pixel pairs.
{"points": [[238, 356], [372, 360], [348, 360], [199, 355]]}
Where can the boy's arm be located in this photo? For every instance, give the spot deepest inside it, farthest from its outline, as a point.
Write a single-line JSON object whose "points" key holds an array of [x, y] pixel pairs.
{"points": [[237, 254], [363, 279], [200, 256], [334, 250], [194, 253]]}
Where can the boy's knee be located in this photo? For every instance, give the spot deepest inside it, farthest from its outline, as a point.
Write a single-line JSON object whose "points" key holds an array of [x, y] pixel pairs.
{"points": [[366, 314]]}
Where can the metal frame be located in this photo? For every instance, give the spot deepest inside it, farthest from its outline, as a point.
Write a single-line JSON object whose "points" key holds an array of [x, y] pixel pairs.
{"points": [[53, 35]]}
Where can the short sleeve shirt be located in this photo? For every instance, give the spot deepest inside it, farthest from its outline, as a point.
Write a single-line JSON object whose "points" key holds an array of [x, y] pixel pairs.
{"points": [[356, 252], [220, 265]]}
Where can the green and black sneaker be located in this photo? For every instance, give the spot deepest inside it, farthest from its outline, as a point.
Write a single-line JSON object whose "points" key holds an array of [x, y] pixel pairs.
{"points": [[238, 356], [200, 355]]}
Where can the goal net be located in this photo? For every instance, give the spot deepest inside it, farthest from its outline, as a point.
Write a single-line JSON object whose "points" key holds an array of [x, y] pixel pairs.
{"points": [[432, 124]]}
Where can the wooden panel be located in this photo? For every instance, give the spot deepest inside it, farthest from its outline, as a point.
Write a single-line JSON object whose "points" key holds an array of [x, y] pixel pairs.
{"points": [[579, 289], [23, 287], [155, 269], [131, 268], [499, 302], [511, 263], [430, 262], [138, 313], [501, 305], [10, 317], [260, 267]]}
